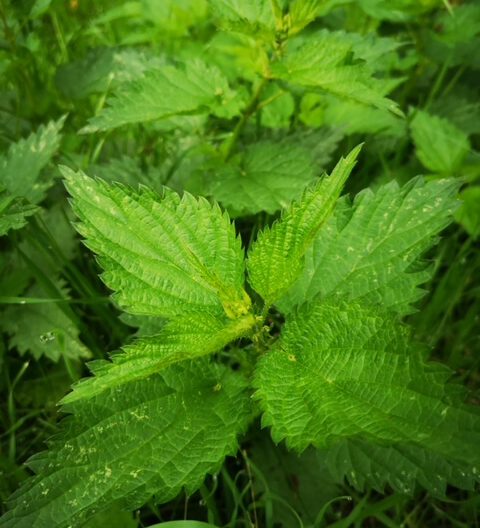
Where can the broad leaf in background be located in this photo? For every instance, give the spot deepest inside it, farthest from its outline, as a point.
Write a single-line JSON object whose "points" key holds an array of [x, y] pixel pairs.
{"points": [[302, 12], [296, 483], [468, 215], [169, 91], [246, 16], [440, 145], [13, 212], [43, 329], [21, 166], [102, 69], [181, 339], [324, 61], [57, 232], [349, 371], [128, 171], [278, 107], [148, 437], [162, 256], [461, 109], [276, 258], [356, 118], [397, 10], [401, 466], [266, 176], [455, 36], [369, 249]]}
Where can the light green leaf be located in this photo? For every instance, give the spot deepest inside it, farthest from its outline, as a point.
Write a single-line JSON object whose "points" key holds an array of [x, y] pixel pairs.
{"points": [[354, 118], [166, 92], [175, 17], [275, 259], [149, 437], [400, 466], [163, 256], [245, 16], [20, 167], [397, 10], [278, 106], [348, 371], [43, 329], [181, 339], [369, 250], [323, 61], [266, 176], [303, 12], [440, 145]]}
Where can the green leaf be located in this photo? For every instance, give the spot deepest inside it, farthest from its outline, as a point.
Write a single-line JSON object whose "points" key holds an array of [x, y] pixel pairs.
{"points": [[163, 256], [102, 69], [128, 171], [175, 17], [369, 250], [324, 61], [266, 176], [397, 10], [275, 259], [245, 16], [43, 329], [342, 370], [149, 437], [13, 212], [113, 516], [20, 167], [440, 145], [468, 215], [39, 8], [294, 483], [166, 92], [181, 339], [400, 466], [277, 107], [354, 118], [303, 12]]}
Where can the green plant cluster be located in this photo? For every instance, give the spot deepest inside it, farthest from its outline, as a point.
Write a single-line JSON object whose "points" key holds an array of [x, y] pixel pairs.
{"points": [[246, 232]]}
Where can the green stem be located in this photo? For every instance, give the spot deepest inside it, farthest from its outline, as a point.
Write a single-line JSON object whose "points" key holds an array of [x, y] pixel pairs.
{"points": [[228, 145], [207, 497], [12, 444], [438, 82], [59, 35], [454, 80]]}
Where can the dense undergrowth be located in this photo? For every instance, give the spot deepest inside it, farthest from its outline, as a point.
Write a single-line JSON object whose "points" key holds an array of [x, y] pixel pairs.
{"points": [[248, 104]]}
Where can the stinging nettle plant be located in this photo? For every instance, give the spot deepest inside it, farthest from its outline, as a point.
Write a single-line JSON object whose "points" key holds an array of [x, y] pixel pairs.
{"points": [[342, 374]]}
